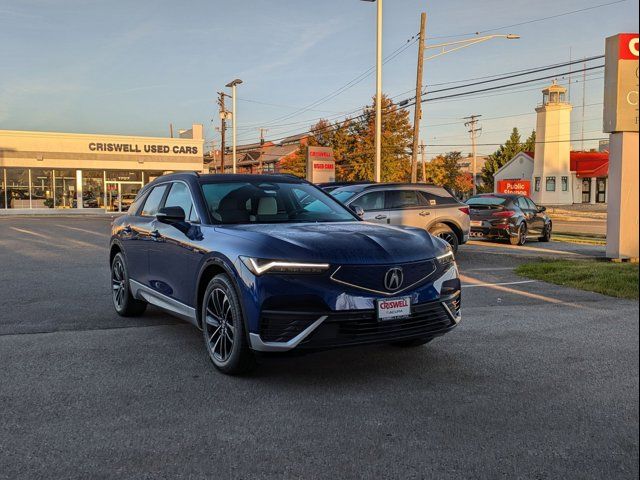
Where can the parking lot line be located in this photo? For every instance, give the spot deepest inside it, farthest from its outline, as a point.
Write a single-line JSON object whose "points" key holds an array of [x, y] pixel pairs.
{"points": [[522, 248], [82, 230], [497, 284], [29, 232]]}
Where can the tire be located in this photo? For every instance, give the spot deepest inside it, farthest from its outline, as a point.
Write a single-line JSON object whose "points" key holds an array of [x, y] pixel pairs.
{"points": [[223, 328], [445, 232], [123, 302], [547, 233], [416, 342], [521, 239]]}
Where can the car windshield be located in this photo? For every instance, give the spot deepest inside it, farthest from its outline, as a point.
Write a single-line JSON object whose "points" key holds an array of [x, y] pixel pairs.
{"points": [[487, 201], [343, 195], [271, 202]]}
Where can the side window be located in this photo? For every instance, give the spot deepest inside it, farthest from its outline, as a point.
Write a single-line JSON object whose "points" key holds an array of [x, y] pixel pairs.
{"points": [[179, 196], [436, 196], [152, 203], [532, 206], [370, 201], [404, 199], [522, 203]]}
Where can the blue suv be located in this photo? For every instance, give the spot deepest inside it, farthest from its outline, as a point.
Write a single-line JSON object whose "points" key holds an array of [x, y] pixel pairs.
{"points": [[271, 263]]}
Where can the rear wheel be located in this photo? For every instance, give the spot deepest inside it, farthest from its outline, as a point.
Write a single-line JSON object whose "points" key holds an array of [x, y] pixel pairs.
{"points": [[521, 238], [123, 301], [445, 232], [223, 328], [546, 237]]}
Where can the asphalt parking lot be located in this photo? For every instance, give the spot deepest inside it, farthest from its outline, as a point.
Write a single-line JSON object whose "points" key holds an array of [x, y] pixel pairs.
{"points": [[538, 381]]}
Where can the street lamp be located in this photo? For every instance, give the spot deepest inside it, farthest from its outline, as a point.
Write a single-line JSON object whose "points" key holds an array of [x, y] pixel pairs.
{"points": [[233, 85], [378, 160], [460, 44]]}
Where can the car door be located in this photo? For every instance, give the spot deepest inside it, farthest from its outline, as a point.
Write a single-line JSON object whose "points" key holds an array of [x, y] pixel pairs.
{"points": [[538, 217], [408, 207], [373, 204], [136, 234], [176, 252]]}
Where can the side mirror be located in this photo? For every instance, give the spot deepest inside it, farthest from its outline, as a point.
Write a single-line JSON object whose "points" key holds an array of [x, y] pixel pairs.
{"points": [[170, 215], [541, 209], [358, 210]]}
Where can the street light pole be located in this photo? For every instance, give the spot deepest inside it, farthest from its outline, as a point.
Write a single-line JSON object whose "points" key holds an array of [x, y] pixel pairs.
{"points": [[234, 133], [378, 135]]}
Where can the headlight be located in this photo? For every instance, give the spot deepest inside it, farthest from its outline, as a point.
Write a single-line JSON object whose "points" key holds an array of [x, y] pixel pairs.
{"points": [[446, 260], [258, 266]]}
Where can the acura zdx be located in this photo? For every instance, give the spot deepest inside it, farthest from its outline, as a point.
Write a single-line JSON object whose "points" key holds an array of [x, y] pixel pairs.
{"points": [[271, 263]]}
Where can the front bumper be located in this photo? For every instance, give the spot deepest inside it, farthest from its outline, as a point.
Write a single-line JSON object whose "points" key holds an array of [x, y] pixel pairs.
{"points": [[283, 330]]}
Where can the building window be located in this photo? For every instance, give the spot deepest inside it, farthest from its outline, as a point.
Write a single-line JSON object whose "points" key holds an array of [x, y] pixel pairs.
{"points": [[537, 184], [41, 188], [550, 185], [565, 184], [586, 190], [17, 188], [64, 186], [93, 188], [601, 190]]}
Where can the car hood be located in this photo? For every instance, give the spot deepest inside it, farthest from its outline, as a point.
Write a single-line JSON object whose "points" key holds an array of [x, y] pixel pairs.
{"points": [[345, 243]]}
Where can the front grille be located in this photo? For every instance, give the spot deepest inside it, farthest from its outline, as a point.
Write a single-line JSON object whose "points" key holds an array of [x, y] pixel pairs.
{"points": [[371, 277], [357, 327]]}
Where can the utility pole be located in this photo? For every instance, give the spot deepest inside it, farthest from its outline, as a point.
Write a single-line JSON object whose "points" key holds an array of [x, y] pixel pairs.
{"points": [[223, 128], [423, 157], [262, 132], [474, 131], [418, 107], [584, 99]]}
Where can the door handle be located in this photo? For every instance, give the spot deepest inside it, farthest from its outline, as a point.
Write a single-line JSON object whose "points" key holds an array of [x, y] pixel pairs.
{"points": [[424, 214], [127, 229], [380, 217], [155, 235]]}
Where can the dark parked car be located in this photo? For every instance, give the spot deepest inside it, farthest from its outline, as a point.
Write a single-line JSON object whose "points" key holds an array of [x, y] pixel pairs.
{"points": [[512, 217], [257, 270]]}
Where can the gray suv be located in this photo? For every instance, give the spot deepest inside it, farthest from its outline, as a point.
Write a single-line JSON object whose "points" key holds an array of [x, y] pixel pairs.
{"points": [[425, 206]]}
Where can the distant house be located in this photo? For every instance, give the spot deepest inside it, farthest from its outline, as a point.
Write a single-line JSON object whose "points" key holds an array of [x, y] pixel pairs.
{"points": [[261, 158], [466, 166]]}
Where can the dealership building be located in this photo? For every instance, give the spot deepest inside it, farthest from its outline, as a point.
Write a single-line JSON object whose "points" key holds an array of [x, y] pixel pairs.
{"points": [[47, 170], [554, 174]]}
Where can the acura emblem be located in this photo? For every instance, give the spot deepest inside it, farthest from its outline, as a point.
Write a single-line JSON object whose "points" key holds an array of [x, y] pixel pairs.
{"points": [[393, 279]]}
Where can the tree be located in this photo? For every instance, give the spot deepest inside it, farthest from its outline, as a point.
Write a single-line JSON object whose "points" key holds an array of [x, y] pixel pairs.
{"points": [[505, 153], [444, 170], [464, 184]]}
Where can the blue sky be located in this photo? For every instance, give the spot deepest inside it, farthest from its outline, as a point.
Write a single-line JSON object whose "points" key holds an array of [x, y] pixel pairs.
{"points": [[132, 67]]}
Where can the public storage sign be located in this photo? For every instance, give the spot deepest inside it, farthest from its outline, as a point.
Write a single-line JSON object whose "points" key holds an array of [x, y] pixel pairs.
{"points": [[518, 187], [621, 83]]}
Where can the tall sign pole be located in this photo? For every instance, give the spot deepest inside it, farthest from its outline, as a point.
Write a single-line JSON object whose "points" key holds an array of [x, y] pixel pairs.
{"points": [[621, 122], [378, 166], [474, 130], [223, 128], [417, 114]]}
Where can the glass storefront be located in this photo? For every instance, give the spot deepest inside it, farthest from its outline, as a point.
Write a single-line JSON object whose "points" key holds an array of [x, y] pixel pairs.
{"points": [[113, 190]]}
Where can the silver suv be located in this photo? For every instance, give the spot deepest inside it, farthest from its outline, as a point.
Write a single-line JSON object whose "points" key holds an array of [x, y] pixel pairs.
{"points": [[417, 205]]}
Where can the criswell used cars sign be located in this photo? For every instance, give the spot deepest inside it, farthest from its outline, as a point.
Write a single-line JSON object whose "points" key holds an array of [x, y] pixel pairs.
{"points": [[321, 166], [146, 148], [518, 187]]}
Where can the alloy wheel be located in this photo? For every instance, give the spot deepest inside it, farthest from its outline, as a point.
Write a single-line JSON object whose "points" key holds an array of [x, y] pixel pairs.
{"points": [[219, 325], [448, 237], [118, 284]]}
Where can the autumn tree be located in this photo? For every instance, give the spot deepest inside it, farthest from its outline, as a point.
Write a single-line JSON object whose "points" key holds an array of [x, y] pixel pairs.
{"points": [[444, 170], [504, 153]]}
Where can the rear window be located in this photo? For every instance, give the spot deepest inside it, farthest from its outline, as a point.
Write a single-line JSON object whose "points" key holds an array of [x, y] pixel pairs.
{"points": [[342, 195], [487, 201]]}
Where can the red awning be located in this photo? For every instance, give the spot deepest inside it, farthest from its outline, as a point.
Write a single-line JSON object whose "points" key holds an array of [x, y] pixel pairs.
{"points": [[599, 171], [590, 164]]}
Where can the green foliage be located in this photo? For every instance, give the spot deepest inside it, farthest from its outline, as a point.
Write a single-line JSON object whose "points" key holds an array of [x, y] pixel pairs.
{"points": [[504, 153], [613, 279]]}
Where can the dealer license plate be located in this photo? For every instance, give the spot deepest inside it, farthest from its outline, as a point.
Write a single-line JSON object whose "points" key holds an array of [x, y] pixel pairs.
{"points": [[476, 223], [393, 308]]}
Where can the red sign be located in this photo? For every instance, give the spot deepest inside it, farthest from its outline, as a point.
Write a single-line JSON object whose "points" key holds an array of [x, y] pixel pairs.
{"points": [[518, 187], [628, 46]]}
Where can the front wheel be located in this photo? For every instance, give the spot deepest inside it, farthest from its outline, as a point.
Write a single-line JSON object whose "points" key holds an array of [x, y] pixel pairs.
{"points": [[123, 301], [521, 238], [445, 232], [546, 237], [223, 328]]}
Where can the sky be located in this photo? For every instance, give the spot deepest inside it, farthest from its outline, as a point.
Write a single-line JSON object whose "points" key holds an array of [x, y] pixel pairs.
{"points": [[134, 67]]}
